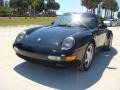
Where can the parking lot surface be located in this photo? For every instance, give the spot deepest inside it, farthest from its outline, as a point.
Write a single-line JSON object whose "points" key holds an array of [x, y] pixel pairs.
{"points": [[17, 74]]}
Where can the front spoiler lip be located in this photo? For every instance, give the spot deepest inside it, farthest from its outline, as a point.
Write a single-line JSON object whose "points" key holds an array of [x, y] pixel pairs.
{"points": [[34, 55], [44, 58], [50, 62]]}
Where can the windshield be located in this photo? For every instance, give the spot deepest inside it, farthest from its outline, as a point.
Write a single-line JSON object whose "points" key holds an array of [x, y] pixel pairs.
{"points": [[75, 20]]}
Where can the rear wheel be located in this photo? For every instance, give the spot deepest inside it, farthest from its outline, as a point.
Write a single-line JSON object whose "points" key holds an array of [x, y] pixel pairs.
{"points": [[88, 57]]}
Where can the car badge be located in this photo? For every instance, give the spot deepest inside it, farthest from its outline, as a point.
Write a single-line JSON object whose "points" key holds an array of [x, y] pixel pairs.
{"points": [[39, 39]]}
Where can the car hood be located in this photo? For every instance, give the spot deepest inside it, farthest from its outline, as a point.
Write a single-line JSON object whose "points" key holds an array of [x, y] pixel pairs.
{"points": [[48, 40]]}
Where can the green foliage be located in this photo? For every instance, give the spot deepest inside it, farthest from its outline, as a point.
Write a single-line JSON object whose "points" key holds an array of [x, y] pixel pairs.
{"points": [[40, 6], [5, 11], [52, 5], [35, 6], [109, 6], [34, 3], [90, 4], [50, 14]]}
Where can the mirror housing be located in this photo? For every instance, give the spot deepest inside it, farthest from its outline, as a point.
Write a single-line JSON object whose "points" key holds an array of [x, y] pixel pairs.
{"points": [[52, 23], [103, 26]]}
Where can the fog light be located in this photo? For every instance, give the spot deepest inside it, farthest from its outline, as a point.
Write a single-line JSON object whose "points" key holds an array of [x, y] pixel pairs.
{"points": [[54, 58], [70, 58]]}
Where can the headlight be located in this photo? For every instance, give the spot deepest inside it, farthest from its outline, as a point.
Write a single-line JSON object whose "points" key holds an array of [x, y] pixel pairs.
{"points": [[20, 36], [68, 43]]}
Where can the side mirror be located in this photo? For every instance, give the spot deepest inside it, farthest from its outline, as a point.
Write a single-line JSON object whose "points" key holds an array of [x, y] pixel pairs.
{"points": [[52, 23], [103, 26]]}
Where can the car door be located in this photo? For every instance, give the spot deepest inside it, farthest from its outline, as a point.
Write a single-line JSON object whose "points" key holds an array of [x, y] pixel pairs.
{"points": [[101, 33]]}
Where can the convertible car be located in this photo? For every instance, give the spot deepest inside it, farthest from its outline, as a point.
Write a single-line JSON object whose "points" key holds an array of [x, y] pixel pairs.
{"points": [[72, 39]]}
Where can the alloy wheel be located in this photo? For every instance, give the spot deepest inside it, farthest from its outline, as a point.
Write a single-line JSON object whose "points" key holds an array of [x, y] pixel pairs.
{"points": [[89, 55]]}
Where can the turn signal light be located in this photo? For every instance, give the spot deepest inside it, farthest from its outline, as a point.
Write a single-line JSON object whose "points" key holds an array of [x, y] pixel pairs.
{"points": [[70, 58]]}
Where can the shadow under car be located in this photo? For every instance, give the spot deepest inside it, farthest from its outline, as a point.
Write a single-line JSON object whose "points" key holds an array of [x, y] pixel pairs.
{"points": [[67, 78]]}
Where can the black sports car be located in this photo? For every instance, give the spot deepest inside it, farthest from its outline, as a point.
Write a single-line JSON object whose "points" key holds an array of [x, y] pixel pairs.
{"points": [[72, 39]]}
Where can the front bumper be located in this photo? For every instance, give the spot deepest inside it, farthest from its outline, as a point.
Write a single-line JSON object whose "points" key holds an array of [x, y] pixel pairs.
{"points": [[39, 58]]}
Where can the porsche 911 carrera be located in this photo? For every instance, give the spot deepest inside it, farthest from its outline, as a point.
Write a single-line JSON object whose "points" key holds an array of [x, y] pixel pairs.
{"points": [[72, 39]]}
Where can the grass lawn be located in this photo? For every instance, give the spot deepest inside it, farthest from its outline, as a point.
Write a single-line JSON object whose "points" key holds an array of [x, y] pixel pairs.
{"points": [[5, 21]]}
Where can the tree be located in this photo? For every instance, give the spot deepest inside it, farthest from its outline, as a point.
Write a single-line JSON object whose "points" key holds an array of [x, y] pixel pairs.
{"points": [[98, 3], [105, 7], [90, 5], [13, 4], [85, 3], [19, 6], [23, 6], [115, 9], [41, 5], [51, 7], [110, 6], [56, 6], [5, 11], [34, 3]]}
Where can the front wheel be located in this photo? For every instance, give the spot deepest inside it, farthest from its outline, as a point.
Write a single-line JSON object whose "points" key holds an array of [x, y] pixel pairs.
{"points": [[88, 57]]}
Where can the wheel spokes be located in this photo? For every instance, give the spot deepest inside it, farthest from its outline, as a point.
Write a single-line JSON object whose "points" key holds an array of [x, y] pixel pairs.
{"points": [[89, 55]]}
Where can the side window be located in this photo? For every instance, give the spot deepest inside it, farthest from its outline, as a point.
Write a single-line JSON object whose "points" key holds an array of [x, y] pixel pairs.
{"points": [[91, 22]]}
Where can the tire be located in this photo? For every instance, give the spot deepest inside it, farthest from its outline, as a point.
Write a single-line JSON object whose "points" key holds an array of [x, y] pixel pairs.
{"points": [[88, 57], [108, 44]]}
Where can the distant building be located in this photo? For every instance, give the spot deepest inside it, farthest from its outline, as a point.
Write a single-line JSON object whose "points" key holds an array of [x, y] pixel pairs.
{"points": [[1, 2], [6, 3]]}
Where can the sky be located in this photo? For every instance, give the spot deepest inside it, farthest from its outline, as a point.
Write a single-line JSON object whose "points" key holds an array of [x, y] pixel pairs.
{"points": [[72, 6]]}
